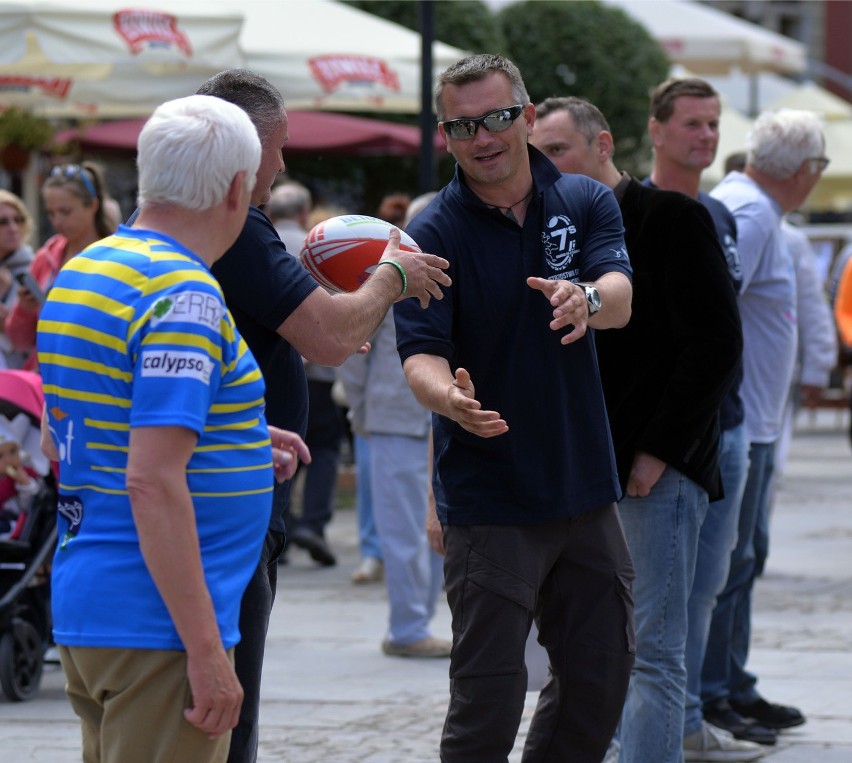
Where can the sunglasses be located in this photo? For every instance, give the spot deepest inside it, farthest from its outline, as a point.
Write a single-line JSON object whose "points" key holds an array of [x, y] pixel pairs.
{"points": [[72, 171], [818, 164], [494, 121], [17, 219]]}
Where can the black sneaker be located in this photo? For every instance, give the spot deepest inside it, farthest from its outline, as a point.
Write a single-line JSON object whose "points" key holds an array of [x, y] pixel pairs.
{"points": [[723, 716], [315, 545], [770, 715]]}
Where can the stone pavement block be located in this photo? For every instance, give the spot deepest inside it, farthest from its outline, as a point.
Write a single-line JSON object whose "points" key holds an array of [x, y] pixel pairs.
{"points": [[330, 696], [811, 754]]}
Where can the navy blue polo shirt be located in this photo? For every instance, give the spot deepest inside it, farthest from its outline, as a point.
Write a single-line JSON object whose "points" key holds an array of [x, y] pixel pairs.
{"points": [[263, 285], [556, 460]]}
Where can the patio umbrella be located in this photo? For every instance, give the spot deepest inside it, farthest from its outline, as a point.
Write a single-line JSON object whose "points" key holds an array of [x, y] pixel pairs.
{"points": [[708, 41], [326, 55], [61, 58], [312, 133], [320, 54]]}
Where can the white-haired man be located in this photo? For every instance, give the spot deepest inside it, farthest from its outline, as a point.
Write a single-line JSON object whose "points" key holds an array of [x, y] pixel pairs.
{"points": [[154, 410], [784, 162]]}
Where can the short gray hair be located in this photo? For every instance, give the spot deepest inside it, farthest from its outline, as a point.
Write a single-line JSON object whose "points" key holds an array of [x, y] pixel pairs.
{"points": [[288, 201], [476, 68], [780, 141], [587, 117], [254, 94], [190, 150]]}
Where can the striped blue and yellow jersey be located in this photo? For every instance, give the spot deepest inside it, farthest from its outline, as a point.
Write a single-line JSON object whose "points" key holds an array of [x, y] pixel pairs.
{"points": [[135, 333]]}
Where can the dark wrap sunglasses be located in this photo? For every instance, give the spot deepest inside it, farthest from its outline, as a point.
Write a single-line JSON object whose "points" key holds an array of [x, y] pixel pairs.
{"points": [[494, 121]]}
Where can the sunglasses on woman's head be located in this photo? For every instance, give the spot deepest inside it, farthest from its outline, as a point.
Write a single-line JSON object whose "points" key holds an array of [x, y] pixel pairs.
{"points": [[72, 171]]}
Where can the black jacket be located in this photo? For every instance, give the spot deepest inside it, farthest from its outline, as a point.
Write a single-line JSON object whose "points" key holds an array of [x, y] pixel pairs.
{"points": [[665, 374]]}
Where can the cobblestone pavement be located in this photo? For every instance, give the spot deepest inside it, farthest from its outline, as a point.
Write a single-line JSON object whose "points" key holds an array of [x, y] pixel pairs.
{"points": [[330, 696]]}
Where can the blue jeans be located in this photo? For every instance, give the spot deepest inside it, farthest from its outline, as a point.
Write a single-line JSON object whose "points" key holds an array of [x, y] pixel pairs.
{"points": [[399, 471], [716, 541], [662, 534], [724, 675], [368, 536]]}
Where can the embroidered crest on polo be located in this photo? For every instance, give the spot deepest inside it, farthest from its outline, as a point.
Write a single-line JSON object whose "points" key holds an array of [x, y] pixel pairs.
{"points": [[560, 246]]}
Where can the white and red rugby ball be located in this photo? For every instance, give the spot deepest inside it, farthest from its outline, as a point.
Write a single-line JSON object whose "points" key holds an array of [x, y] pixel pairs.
{"points": [[342, 252]]}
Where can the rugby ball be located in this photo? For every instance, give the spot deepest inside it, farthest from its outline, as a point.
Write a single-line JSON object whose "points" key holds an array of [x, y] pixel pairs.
{"points": [[342, 252]]}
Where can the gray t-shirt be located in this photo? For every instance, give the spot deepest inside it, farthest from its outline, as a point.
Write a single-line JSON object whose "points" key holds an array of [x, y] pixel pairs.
{"points": [[767, 306]]}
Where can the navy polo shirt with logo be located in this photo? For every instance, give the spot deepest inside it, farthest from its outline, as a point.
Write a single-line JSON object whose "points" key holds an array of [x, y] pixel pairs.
{"points": [[556, 460]]}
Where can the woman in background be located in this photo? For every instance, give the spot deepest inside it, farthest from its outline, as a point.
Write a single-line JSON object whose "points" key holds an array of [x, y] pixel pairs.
{"points": [[73, 196], [16, 225]]}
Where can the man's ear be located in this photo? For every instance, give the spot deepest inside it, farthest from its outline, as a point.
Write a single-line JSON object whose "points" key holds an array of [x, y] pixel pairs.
{"points": [[654, 128], [605, 146], [529, 117], [444, 136]]}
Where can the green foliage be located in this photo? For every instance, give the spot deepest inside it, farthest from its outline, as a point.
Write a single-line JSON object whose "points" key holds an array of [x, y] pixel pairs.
{"points": [[25, 130], [466, 24], [592, 51], [359, 183], [579, 48]]}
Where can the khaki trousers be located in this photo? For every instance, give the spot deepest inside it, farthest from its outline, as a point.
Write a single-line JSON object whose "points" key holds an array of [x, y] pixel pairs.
{"points": [[131, 702]]}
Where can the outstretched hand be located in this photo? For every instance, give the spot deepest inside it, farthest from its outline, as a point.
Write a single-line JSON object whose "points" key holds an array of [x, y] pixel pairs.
{"points": [[467, 410], [424, 272], [570, 307]]}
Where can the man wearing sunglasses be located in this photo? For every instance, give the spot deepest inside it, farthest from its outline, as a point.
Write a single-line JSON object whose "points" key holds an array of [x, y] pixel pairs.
{"points": [[524, 475]]}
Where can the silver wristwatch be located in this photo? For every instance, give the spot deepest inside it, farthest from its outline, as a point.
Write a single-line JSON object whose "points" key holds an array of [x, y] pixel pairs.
{"points": [[593, 298]]}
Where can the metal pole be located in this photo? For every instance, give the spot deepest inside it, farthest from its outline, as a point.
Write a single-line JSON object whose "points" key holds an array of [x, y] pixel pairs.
{"points": [[427, 121]]}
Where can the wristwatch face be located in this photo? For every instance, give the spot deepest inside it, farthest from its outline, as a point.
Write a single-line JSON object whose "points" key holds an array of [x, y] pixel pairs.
{"points": [[593, 297]]}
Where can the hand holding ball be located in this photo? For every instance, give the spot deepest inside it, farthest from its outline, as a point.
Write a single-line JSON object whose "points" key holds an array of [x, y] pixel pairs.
{"points": [[343, 252]]}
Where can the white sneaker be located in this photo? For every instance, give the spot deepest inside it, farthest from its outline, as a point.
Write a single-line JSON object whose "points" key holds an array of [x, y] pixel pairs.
{"points": [[370, 570], [713, 744]]}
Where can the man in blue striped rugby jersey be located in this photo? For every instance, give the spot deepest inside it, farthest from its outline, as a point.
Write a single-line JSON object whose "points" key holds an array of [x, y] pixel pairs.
{"points": [[155, 412]]}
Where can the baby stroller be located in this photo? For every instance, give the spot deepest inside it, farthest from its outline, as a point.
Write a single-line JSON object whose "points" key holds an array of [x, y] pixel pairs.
{"points": [[27, 552]]}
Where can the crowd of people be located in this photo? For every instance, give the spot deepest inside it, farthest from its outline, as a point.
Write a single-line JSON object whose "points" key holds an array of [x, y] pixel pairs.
{"points": [[566, 411]]}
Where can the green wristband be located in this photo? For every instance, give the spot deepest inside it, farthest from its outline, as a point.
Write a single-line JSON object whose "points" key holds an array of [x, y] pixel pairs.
{"points": [[401, 273]]}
